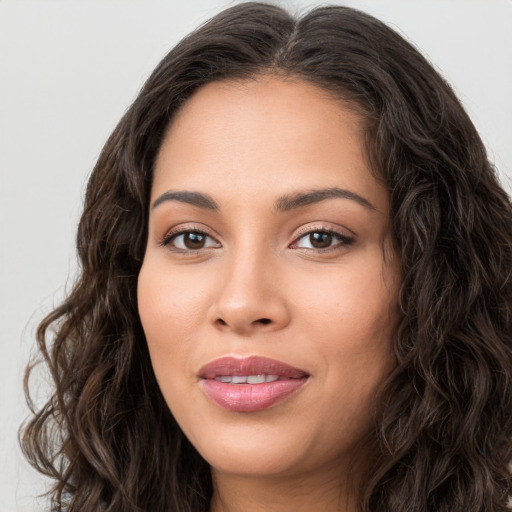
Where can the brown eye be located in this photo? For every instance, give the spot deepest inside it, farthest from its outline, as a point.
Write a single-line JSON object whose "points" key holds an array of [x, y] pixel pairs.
{"points": [[190, 241], [320, 240], [194, 240]]}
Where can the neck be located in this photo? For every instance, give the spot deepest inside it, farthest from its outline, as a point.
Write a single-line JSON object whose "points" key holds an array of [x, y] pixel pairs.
{"points": [[328, 492]]}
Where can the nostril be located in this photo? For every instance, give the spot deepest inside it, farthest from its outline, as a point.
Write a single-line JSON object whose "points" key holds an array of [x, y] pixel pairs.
{"points": [[219, 322]]}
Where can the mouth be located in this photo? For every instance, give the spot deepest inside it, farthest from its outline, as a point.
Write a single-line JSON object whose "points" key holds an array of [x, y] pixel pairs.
{"points": [[249, 384]]}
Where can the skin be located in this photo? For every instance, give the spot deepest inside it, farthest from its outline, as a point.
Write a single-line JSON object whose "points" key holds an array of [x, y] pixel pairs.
{"points": [[330, 312]]}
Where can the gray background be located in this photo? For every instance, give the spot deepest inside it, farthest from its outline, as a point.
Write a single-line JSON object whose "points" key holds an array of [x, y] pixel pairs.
{"points": [[69, 69]]}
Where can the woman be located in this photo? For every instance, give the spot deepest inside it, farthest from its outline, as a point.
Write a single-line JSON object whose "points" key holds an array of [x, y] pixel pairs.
{"points": [[295, 289]]}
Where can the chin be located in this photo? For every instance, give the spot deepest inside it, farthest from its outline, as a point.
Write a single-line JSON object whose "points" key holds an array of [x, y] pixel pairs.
{"points": [[266, 451], [254, 452], [256, 463]]}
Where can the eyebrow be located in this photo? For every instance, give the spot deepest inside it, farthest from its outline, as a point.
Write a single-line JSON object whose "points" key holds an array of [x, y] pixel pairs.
{"points": [[283, 204], [302, 199], [194, 198]]}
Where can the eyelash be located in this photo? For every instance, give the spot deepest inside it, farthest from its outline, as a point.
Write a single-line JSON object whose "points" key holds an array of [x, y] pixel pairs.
{"points": [[343, 240], [173, 235]]}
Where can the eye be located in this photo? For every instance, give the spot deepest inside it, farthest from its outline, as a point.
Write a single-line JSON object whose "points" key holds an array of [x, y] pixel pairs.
{"points": [[322, 239], [191, 240]]}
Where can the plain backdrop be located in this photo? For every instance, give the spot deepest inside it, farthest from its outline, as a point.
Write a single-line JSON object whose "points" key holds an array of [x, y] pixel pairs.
{"points": [[68, 71]]}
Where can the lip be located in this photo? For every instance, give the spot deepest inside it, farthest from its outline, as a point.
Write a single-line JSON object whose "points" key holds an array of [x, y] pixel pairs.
{"points": [[249, 397]]}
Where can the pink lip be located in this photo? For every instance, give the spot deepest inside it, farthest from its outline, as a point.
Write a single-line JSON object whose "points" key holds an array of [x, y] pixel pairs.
{"points": [[249, 397]]}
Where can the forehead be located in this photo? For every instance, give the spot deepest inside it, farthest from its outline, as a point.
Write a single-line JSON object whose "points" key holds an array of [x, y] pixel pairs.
{"points": [[265, 135]]}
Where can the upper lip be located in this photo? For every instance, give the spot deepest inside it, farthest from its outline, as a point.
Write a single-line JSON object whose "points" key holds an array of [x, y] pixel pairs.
{"points": [[253, 365]]}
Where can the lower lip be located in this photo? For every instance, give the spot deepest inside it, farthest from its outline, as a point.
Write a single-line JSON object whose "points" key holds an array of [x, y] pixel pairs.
{"points": [[250, 397]]}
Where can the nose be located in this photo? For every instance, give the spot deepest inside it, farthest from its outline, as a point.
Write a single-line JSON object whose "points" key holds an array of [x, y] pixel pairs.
{"points": [[249, 298]]}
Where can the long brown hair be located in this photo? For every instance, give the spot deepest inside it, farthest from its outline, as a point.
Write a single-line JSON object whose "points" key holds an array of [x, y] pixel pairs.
{"points": [[444, 427]]}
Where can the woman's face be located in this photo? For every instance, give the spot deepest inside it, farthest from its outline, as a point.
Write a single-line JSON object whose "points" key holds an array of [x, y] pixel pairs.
{"points": [[268, 291]]}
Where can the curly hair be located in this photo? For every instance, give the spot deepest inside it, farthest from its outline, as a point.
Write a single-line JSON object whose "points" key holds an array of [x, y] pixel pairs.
{"points": [[444, 425]]}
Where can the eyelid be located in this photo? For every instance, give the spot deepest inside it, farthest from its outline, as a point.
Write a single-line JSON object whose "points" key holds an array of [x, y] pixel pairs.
{"points": [[176, 231], [345, 239]]}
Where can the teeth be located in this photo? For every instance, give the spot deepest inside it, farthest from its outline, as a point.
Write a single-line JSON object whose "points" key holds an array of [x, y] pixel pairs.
{"points": [[255, 379], [247, 379]]}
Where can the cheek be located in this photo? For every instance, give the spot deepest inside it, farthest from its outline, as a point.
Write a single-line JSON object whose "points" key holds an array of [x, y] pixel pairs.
{"points": [[355, 303], [168, 318], [352, 319], [168, 310], [169, 305]]}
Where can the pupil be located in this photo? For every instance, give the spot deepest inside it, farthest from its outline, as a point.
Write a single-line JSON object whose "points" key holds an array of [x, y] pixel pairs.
{"points": [[320, 240], [194, 240]]}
